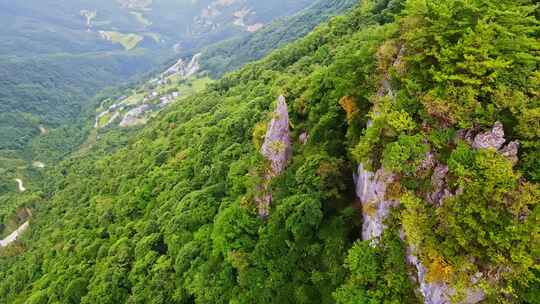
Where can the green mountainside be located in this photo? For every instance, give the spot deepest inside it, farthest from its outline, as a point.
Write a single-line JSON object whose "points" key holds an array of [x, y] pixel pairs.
{"points": [[54, 60], [233, 53], [392, 155], [56, 55], [136, 105], [78, 26]]}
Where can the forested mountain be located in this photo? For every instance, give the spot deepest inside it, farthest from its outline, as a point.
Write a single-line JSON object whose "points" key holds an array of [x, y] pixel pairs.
{"points": [[78, 26], [55, 56], [135, 106], [392, 155], [233, 53]]}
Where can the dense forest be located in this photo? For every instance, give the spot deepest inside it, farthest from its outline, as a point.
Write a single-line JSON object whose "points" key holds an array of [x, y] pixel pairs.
{"points": [[392, 155], [53, 91], [56, 55], [233, 53], [56, 68]]}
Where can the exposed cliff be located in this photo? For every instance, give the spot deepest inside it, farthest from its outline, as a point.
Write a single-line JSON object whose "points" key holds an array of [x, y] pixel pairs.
{"points": [[277, 150]]}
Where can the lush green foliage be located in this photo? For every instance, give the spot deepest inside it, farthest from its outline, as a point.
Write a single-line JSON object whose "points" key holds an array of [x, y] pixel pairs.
{"points": [[53, 63], [232, 54], [171, 217], [463, 65], [53, 90], [377, 274]]}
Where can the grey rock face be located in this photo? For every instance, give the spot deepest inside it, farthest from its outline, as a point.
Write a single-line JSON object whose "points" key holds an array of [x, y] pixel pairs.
{"points": [[364, 184], [277, 145], [277, 149], [439, 292], [491, 139], [371, 190], [510, 151], [433, 293], [494, 139], [371, 187], [427, 163]]}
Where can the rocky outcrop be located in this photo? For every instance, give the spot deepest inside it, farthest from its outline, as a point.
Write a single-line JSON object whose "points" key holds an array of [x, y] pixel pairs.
{"points": [[493, 139], [371, 190], [439, 183], [303, 138], [277, 149], [440, 292], [371, 187], [432, 292], [510, 151], [184, 69], [427, 163]]}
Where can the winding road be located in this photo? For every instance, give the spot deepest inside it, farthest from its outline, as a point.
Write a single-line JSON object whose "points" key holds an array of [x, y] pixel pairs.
{"points": [[14, 235], [20, 185]]}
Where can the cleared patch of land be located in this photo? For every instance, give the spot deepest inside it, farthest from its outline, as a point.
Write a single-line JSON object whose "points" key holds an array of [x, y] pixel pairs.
{"points": [[128, 41]]}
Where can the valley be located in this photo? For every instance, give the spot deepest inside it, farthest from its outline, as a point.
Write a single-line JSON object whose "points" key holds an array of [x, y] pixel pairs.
{"points": [[48, 98]]}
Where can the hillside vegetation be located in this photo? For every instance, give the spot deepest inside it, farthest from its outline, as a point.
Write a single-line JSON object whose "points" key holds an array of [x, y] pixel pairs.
{"points": [[46, 114], [57, 55], [432, 106], [233, 53]]}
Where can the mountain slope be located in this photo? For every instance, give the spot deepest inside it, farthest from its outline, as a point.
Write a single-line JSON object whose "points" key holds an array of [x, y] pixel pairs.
{"points": [[49, 26], [55, 58], [232, 54], [231, 197], [191, 73], [55, 55]]}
